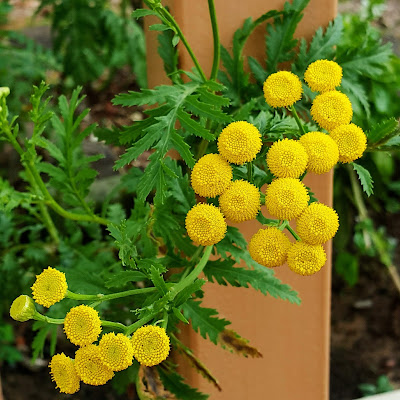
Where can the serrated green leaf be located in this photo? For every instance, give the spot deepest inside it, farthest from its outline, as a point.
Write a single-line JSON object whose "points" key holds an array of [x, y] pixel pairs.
{"points": [[193, 127], [179, 315], [183, 149], [204, 320], [382, 130], [186, 293], [175, 384], [159, 27], [143, 12], [280, 41], [224, 272], [365, 178], [120, 279], [202, 109], [321, 46]]}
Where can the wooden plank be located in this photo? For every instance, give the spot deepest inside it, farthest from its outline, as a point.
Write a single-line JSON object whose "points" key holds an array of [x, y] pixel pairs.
{"points": [[293, 339]]}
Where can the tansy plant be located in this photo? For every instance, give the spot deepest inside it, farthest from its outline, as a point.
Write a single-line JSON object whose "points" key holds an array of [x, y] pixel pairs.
{"points": [[243, 151]]}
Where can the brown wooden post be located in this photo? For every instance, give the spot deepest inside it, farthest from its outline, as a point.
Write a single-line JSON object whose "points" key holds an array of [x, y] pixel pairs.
{"points": [[293, 339]]}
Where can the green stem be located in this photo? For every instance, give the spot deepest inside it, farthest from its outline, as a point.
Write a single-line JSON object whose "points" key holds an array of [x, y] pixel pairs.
{"points": [[193, 275], [359, 201], [296, 117], [49, 320], [202, 148], [165, 13], [292, 231], [132, 328], [250, 172], [112, 296], [115, 325], [217, 46]]}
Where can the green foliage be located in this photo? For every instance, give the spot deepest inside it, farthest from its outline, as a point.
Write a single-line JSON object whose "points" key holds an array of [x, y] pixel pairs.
{"points": [[204, 320], [89, 38], [382, 385]]}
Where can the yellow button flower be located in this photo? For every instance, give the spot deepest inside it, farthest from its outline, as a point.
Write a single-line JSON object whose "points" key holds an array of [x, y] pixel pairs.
{"points": [[351, 141], [82, 325], [116, 351], [323, 75], [282, 89], [239, 142], [50, 287], [22, 309], [306, 259], [331, 109], [286, 198], [322, 150], [205, 224], [150, 345], [90, 367], [318, 224], [63, 373], [240, 202], [211, 175], [269, 247], [287, 158]]}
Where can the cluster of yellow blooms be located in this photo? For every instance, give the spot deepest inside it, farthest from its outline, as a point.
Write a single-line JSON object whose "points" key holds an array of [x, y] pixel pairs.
{"points": [[93, 364], [286, 198]]}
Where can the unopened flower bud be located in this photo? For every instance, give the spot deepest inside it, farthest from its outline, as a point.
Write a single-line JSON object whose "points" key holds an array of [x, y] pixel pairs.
{"points": [[23, 308]]}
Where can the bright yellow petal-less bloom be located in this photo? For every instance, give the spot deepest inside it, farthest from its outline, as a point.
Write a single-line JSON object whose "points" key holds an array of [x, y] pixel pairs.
{"points": [[269, 247], [239, 142], [82, 325], [116, 351], [22, 308], [351, 141], [205, 224], [150, 345], [306, 259], [331, 109], [317, 224], [90, 367], [287, 158], [63, 373], [50, 287], [282, 89], [322, 150], [240, 202], [211, 175], [323, 75], [286, 198]]}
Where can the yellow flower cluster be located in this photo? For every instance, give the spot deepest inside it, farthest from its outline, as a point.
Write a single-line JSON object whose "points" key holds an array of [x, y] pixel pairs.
{"points": [[239, 201], [332, 110]]}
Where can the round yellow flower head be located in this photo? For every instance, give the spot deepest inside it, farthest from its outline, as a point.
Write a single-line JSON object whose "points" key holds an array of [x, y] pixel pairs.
{"points": [[150, 345], [269, 247], [306, 259], [116, 351], [331, 109], [239, 142], [351, 141], [286, 198], [205, 224], [240, 202], [211, 175], [282, 89], [82, 325], [90, 367], [50, 287], [323, 75], [63, 373], [322, 150], [287, 158], [317, 224], [22, 308]]}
